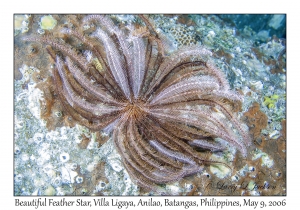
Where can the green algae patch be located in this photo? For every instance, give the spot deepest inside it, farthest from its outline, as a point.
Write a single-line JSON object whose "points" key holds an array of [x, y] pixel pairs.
{"points": [[48, 22], [219, 170], [251, 185], [271, 101], [21, 23], [18, 20], [50, 191]]}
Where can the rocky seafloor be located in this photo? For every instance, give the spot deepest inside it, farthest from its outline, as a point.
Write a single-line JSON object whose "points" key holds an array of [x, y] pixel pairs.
{"points": [[53, 156]]}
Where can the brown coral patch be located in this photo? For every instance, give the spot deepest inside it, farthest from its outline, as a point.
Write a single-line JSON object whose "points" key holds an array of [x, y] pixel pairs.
{"points": [[100, 139], [51, 108], [186, 20], [256, 121], [17, 63], [84, 142], [222, 54]]}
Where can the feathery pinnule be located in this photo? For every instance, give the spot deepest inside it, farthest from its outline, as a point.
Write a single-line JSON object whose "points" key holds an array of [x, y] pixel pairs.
{"points": [[87, 84]]}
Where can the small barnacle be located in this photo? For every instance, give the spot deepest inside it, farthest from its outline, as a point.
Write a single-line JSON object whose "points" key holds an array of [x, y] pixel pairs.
{"points": [[74, 166], [32, 49], [63, 131], [266, 184], [56, 182], [64, 157], [207, 175], [274, 134], [25, 157], [115, 164], [188, 187], [25, 29], [25, 22], [276, 174], [58, 114], [17, 150], [41, 31], [258, 85], [78, 139], [38, 137], [79, 179], [102, 184], [49, 136], [235, 178], [83, 191], [47, 168], [20, 97], [19, 124], [18, 178]]}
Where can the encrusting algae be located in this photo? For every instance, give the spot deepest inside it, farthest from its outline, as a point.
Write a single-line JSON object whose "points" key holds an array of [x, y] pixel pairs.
{"points": [[271, 101], [48, 22]]}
